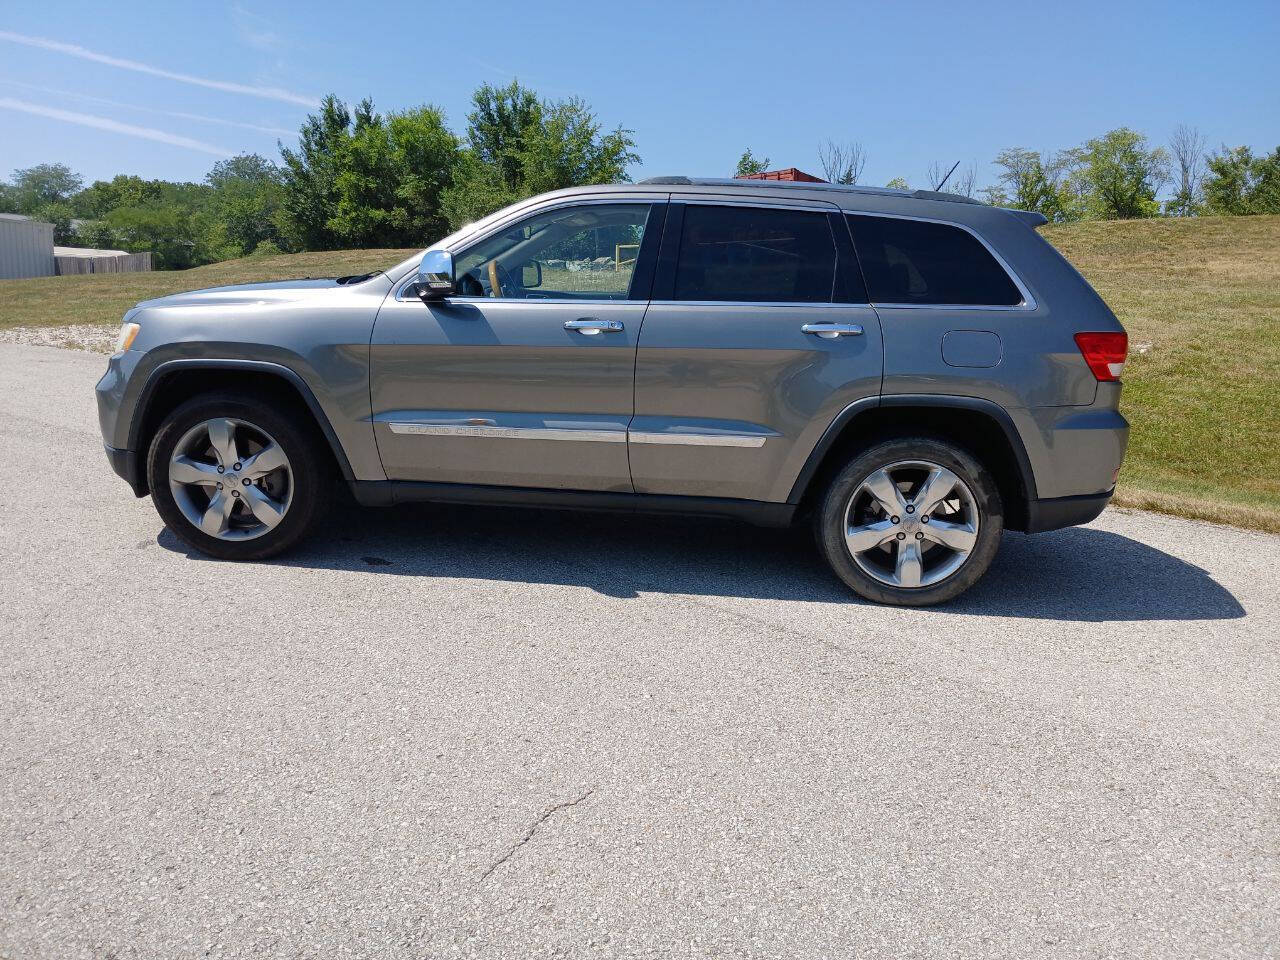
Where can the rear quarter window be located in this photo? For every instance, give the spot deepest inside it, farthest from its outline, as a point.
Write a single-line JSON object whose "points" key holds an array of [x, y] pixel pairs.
{"points": [[920, 262]]}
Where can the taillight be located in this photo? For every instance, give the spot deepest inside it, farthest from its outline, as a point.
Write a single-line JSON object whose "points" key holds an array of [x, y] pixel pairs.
{"points": [[1104, 353]]}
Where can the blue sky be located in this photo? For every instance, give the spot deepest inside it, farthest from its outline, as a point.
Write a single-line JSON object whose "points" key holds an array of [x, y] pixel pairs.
{"points": [[164, 89]]}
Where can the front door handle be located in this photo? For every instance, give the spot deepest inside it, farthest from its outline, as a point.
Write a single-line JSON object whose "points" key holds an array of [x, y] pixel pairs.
{"points": [[829, 331], [590, 326]]}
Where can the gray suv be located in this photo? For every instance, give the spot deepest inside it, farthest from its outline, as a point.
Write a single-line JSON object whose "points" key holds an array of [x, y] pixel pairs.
{"points": [[911, 372]]}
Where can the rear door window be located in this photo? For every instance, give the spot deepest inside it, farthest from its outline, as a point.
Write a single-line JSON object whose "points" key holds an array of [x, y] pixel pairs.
{"points": [[755, 254], [920, 262]]}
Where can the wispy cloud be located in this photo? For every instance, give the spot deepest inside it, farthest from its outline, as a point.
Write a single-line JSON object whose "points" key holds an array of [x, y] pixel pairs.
{"points": [[255, 30], [198, 117], [72, 50], [114, 126]]}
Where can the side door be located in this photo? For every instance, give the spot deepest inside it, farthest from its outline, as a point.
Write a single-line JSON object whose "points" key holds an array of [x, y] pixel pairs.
{"points": [[524, 378], [758, 335]]}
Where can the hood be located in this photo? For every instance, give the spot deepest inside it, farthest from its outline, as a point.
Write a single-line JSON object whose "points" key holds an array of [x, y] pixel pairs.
{"points": [[247, 294]]}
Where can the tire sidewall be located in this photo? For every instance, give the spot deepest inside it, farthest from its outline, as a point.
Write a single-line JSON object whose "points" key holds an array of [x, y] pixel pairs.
{"points": [[831, 520], [298, 447]]}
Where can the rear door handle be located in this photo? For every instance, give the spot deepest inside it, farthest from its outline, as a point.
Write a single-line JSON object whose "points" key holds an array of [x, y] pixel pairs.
{"points": [[829, 331], [590, 326]]}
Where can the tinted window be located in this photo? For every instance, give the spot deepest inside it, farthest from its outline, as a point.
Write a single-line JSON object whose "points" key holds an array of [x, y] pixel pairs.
{"points": [[910, 261], [748, 253]]}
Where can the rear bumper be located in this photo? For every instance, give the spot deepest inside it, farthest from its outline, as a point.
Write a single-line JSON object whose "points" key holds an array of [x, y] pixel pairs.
{"points": [[1058, 512], [125, 464]]}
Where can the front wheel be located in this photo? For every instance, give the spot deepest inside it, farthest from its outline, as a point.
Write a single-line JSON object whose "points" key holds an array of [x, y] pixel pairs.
{"points": [[911, 522], [235, 479]]}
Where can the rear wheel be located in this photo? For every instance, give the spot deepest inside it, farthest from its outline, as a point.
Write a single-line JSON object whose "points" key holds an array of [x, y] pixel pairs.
{"points": [[911, 522], [233, 478]]}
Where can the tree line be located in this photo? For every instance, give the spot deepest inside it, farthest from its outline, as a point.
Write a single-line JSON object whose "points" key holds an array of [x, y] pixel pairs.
{"points": [[1117, 176], [358, 178]]}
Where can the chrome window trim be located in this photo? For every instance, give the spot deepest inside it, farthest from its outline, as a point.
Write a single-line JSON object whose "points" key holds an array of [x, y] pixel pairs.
{"points": [[1028, 300]]}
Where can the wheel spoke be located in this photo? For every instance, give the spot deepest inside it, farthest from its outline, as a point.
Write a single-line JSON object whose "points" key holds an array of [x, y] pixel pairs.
{"points": [[934, 490], [185, 470], [869, 535], [268, 511], [269, 458], [907, 570], [958, 536], [222, 436], [886, 493], [217, 517]]}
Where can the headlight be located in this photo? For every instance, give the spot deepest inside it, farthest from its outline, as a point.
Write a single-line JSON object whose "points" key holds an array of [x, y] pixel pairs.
{"points": [[128, 331]]}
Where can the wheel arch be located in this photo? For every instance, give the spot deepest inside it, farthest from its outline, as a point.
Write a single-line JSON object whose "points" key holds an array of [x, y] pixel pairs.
{"points": [[174, 381], [980, 426]]}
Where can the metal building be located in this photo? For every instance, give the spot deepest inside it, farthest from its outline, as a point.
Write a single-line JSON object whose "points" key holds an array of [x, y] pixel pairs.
{"points": [[26, 247]]}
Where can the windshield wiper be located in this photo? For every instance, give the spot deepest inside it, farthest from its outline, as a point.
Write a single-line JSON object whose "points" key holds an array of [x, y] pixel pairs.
{"points": [[357, 277]]}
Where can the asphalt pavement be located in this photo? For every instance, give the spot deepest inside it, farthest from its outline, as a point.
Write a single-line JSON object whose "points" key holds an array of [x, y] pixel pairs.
{"points": [[449, 731]]}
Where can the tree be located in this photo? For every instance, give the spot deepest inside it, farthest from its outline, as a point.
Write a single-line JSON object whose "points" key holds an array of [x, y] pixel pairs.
{"points": [[359, 179], [247, 192], [898, 183], [310, 174], [1027, 183], [391, 179], [518, 145], [165, 229], [1121, 176], [41, 185], [496, 129], [841, 163], [60, 215], [1239, 183], [1264, 197], [102, 196], [1187, 146], [748, 165]]}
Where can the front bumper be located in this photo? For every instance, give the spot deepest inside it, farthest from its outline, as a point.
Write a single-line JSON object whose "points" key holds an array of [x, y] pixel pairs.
{"points": [[114, 418], [127, 466]]}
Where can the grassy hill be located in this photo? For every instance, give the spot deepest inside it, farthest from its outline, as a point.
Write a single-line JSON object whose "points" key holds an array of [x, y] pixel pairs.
{"points": [[1200, 298]]}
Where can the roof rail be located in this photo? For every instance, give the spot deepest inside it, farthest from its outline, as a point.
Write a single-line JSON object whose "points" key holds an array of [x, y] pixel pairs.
{"points": [[803, 185]]}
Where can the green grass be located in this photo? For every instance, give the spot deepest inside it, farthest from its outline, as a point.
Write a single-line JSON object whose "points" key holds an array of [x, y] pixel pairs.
{"points": [[102, 299], [1204, 399]]}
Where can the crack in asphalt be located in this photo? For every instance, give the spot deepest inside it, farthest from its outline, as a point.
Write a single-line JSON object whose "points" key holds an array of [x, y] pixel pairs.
{"points": [[533, 828]]}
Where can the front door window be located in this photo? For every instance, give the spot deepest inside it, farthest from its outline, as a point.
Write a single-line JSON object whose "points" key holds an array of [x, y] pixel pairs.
{"points": [[587, 252]]}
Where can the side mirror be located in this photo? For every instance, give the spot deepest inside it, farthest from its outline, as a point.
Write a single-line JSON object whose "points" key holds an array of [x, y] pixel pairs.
{"points": [[435, 275], [531, 275]]}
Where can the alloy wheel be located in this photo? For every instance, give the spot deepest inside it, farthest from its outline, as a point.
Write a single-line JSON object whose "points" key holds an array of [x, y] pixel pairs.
{"points": [[231, 479], [911, 524]]}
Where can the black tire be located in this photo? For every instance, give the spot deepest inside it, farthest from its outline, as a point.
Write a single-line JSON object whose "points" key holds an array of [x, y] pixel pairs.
{"points": [[829, 522], [309, 461]]}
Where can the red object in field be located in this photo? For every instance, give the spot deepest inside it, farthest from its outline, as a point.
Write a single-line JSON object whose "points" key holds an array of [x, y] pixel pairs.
{"points": [[1104, 353], [790, 173]]}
